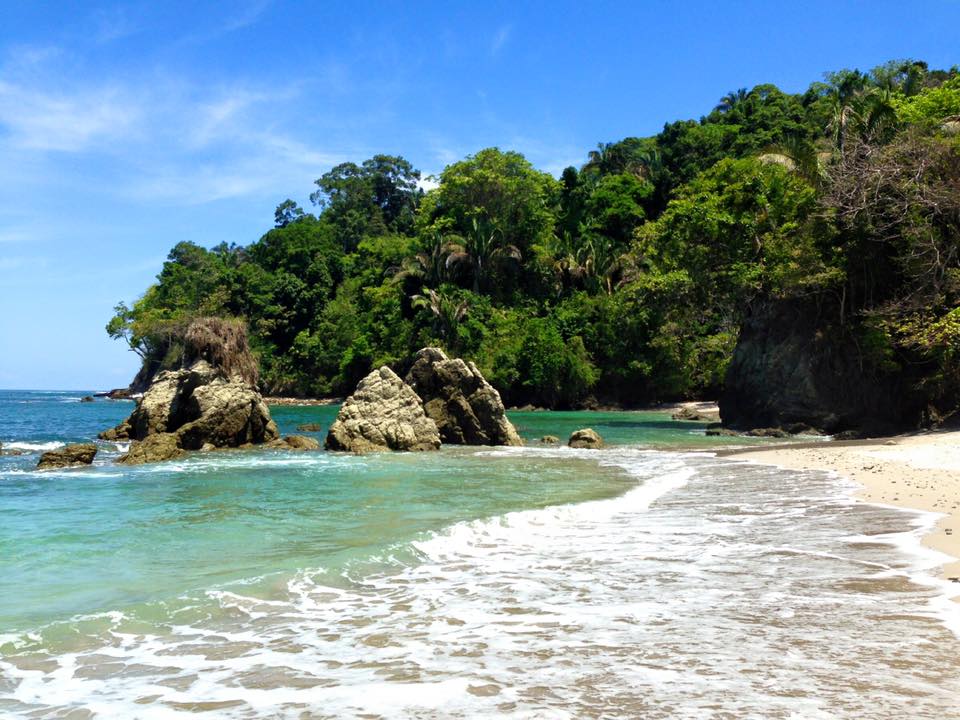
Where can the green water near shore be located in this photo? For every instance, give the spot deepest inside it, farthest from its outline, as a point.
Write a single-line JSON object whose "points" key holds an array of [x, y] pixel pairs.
{"points": [[468, 582]]}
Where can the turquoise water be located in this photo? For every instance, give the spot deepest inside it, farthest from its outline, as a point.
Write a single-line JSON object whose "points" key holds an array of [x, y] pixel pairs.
{"points": [[84, 540], [639, 581]]}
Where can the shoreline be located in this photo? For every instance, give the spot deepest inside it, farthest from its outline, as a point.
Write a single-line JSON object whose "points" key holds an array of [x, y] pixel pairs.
{"points": [[919, 471]]}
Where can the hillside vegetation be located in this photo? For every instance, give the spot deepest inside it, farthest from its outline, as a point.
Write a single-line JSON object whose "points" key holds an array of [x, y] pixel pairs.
{"points": [[628, 279]]}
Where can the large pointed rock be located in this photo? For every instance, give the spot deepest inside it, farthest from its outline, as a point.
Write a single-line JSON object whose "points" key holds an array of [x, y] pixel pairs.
{"points": [[382, 414], [466, 408]]}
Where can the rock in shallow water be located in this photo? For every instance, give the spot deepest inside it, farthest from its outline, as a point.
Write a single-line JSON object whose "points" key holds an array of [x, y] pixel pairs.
{"points": [[154, 448], [191, 408], [465, 407], [384, 413], [586, 438], [69, 456], [295, 442]]}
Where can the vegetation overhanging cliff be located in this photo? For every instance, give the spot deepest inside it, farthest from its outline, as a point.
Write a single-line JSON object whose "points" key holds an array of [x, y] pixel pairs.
{"points": [[824, 226]]}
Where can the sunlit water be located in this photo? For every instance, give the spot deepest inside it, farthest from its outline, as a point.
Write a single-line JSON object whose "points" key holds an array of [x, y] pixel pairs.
{"points": [[640, 581]]}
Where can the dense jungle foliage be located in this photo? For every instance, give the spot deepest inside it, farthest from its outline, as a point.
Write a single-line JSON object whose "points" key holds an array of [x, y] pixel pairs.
{"points": [[625, 280]]}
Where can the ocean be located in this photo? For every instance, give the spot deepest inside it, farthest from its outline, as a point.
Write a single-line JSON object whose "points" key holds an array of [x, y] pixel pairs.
{"points": [[646, 580]]}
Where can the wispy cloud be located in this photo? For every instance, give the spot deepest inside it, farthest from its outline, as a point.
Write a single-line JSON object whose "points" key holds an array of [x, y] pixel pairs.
{"points": [[69, 121], [500, 38], [113, 23], [247, 15], [167, 140]]}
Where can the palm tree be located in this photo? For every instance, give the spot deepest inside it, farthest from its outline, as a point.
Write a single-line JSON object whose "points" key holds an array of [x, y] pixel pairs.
{"points": [[447, 314], [798, 155], [867, 113], [484, 248], [732, 100]]}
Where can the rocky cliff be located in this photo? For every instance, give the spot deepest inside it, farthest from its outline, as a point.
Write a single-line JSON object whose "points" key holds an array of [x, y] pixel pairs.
{"points": [[792, 367]]}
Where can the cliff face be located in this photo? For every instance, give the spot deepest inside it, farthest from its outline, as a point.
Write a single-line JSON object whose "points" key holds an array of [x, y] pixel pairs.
{"points": [[791, 367]]}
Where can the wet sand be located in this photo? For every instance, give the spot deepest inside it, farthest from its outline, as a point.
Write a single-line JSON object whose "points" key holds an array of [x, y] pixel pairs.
{"points": [[920, 471]]}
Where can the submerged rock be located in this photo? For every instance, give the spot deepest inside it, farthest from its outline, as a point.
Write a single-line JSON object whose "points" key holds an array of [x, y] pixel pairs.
{"points": [[86, 399], [310, 427], [296, 442], [550, 440], [586, 438], [465, 407], [384, 413], [69, 456]]}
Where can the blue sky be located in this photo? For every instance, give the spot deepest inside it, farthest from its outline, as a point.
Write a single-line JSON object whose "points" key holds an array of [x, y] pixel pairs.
{"points": [[125, 128]]}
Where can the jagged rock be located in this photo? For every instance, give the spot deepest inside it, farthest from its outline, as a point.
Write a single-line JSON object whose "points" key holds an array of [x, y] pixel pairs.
{"points": [[86, 399], [200, 406], [586, 438], [154, 448], [384, 413], [212, 401], [295, 442], [120, 432], [550, 440], [465, 407], [231, 414], [310, 427], [78, 454]]}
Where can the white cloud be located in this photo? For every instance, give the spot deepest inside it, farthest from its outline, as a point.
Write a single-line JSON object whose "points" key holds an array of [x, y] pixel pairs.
{"points": [[500, 38], [63, 121]]}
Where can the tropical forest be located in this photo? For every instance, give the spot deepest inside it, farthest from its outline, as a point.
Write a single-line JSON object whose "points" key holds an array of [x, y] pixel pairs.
{"points": [[796, 255]]}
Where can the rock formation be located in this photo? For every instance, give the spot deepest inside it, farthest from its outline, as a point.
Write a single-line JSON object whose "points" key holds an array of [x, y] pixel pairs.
{"points": [[69, 456], [792, 370], [465, 407], [211, 401], [383, 413], [586, 438]]}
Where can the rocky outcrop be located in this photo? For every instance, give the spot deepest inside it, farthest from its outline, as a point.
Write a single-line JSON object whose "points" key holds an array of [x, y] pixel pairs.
{"points": [[465, 407], [210, 402], [550, 440], [199, 405], [586, 438], [384, 413], [69, 456], [793, 369]]}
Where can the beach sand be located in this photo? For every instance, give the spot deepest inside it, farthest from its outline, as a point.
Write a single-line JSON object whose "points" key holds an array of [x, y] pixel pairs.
{"points": [[920, 471]]}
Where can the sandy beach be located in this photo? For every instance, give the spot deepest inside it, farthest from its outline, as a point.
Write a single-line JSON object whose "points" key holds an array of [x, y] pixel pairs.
{"points": [[920, 471]]}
